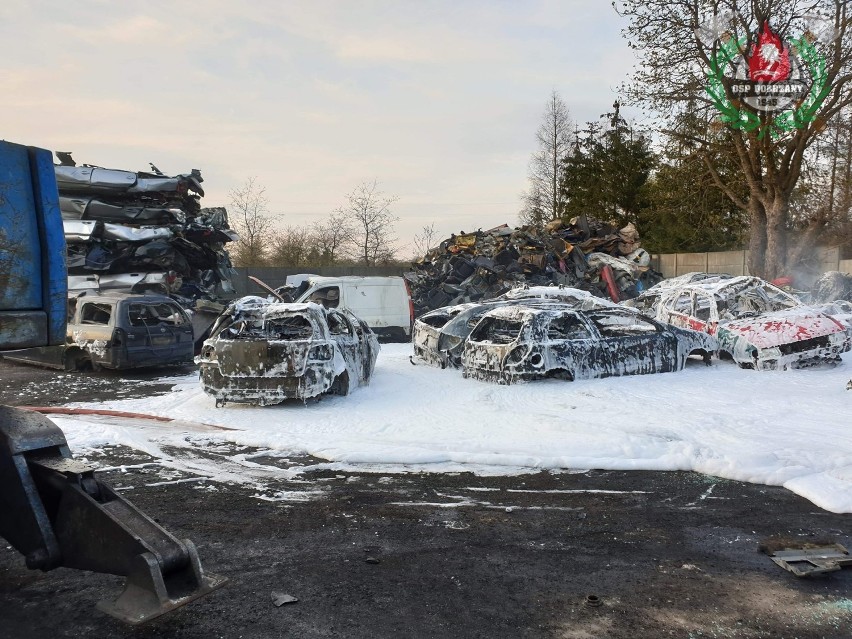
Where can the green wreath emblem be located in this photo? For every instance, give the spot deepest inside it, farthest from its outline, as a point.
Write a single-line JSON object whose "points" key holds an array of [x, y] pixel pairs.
{"points": [[746, 119]]}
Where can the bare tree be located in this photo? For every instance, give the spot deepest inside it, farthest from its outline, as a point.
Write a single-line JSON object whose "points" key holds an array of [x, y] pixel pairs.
{"points": [[368, 209], [331, 237], [290, 247], [425, 240], [249, 215], [689, 51], [545, 199]]}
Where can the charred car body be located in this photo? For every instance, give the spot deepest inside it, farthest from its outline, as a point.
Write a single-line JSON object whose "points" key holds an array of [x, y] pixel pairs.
{"points": [[119, 331], [526, 342], [757, 324], [263, 352], [439, 335]]}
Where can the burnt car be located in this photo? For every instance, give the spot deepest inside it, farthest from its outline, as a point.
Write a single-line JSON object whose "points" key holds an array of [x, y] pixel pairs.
{"points": [[439, 335], [119, 331], [757, 324], [523, 342], [646, 302], [263, 352]]}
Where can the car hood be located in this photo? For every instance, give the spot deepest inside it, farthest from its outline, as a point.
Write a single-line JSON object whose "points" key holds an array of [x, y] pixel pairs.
{"points": [[783, 327]]}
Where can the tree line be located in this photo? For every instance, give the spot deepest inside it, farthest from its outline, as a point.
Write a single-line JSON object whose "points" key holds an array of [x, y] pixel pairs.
{"points": [[361, 231]]}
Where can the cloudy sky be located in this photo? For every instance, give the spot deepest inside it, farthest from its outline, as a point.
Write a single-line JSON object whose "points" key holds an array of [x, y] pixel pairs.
{"points": [[436, 100]]}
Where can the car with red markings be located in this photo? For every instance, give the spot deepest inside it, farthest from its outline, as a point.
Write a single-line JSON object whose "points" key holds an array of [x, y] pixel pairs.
{"points": [[757, 324]]}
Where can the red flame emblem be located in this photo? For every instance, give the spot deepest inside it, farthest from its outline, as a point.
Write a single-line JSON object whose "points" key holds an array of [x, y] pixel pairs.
{"points": [[770, 59]]}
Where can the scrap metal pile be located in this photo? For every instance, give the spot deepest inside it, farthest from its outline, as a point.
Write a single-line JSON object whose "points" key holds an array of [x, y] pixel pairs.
{"points": [[584, 253], [143, 232]]}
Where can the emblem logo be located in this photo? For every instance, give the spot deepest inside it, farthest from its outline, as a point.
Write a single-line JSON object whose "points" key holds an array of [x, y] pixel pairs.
{"points": [[776, 86]]}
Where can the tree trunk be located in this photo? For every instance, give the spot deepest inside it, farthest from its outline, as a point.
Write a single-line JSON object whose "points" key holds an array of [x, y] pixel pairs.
{"points": [[757, 237], [775, 259]]}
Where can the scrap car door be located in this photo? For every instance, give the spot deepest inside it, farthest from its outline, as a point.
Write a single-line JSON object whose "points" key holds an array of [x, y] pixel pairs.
{"points": [[634, 344], [573, 347], [678, 309], [343, 333], [157, 333], [93, 332]]}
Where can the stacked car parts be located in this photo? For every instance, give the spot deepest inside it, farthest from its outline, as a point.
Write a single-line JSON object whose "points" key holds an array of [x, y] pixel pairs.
{"points": [[585, 253], [142, 232]]}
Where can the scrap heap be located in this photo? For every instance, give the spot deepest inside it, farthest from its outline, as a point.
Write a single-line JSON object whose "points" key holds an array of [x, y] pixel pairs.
{"points": [[142, 232], [585, 253]]}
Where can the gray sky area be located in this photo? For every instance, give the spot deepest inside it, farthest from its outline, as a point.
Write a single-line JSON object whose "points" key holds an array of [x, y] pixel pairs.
{"points": [[436, 100]]}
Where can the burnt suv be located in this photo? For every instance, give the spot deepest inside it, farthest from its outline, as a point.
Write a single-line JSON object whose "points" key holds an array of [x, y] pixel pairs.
{"points": [[118, 331]]}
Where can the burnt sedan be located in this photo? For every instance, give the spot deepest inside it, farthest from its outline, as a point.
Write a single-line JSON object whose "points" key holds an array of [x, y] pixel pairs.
{"points": [[263, 353], [757, 324], [525, 342], [439, 335]]}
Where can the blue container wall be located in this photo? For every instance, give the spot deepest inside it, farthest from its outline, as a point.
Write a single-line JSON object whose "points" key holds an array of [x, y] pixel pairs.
{"points": [[33, 279]]}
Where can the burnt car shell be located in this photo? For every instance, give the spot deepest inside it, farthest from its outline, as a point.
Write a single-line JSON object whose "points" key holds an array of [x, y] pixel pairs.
{"points": [[120, 331], [439, 335], [533, 342], [757, 324], [263, 353]]}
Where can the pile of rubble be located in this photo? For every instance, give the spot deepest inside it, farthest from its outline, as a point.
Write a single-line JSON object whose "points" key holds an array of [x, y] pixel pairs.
{"points": [[142, 232], [584, 253]]}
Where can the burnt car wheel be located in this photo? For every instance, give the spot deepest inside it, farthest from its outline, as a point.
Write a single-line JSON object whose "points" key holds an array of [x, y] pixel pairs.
{"points": [[77, 360], [560, 373], [340, 385]]}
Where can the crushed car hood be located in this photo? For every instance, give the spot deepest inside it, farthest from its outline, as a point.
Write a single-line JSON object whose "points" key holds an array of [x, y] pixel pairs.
{"points": [[783, 327]]}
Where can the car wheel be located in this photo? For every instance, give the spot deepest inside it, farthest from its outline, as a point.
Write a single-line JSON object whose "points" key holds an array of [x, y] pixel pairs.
{"points": [[560, 373], [340, 386], [77, 360]]}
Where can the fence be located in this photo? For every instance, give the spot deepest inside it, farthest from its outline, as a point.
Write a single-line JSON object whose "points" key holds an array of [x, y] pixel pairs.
{"points": [[735, 262]]}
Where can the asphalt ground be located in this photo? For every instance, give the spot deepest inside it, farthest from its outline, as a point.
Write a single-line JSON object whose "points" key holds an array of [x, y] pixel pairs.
{"points": [[576, 554]]}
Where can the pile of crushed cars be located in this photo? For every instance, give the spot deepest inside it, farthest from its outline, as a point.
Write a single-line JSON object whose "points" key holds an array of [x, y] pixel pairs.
{"points": [[585, 254], [142, 232]]}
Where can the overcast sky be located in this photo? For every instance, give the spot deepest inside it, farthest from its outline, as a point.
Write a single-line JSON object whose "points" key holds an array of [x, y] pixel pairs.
{"points": [[436, 100]]}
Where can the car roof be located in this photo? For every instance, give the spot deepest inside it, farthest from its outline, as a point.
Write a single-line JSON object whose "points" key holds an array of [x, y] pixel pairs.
{"points": [[353, 279], [87, 296]]}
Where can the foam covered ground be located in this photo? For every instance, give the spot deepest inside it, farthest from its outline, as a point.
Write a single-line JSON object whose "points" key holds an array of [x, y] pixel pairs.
{"points": [[791, 428]]}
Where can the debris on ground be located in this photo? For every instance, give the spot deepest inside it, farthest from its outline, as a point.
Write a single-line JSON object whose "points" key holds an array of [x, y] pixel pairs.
{"points": [[140, 232], [280, 598], [807, 559], [584, 253]]}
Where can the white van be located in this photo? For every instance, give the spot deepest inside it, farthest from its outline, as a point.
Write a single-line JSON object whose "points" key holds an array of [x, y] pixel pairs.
{"points": [[383, 302]]}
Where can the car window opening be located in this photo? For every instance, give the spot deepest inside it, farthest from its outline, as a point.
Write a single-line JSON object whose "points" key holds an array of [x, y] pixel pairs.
{"points": [[622, 325], [568, 327], [153, 314], [337, 325], [497, 331], [292, 327], [94, 313], [328, 296]]}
